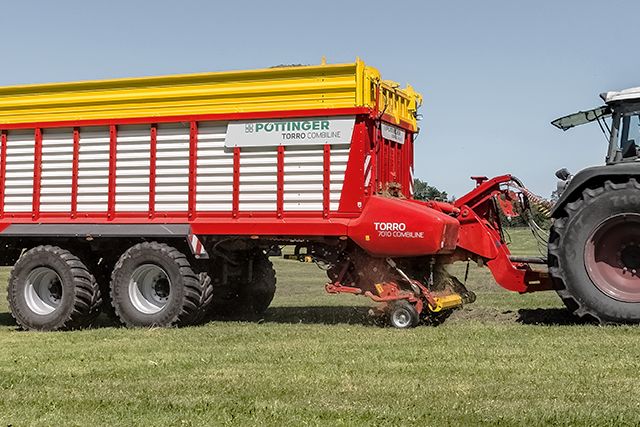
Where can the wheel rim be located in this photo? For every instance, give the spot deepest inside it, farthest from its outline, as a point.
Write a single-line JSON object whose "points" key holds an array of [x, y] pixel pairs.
{"points": [[401, 317], [149, 288], [43, 292], [612, 257]]}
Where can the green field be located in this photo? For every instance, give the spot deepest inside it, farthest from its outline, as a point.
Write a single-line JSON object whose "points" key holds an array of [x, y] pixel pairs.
{"points": [[507, 359]]}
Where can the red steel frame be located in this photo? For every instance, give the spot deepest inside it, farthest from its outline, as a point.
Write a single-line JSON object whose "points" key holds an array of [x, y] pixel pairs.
{"points": [[370, 172], [37, 174], [153, 122], [113, 151], [280, 182], [351, 203], [353, 195], [3, 169], [195, 117], [353, 191], [481, 237], [74, 172], [266, 222], [326, 181], [235, 204], [153, 151], [193, 168]]}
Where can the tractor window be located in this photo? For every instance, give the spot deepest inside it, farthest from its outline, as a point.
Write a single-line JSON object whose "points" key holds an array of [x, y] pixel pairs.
{"points": [[630, 134]]}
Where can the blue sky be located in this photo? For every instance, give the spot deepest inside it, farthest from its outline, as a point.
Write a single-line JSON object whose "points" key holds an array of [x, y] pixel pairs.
{"points": [[493, 73]]}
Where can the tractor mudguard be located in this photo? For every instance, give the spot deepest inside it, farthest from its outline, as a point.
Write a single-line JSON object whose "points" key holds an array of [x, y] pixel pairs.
{"points": [[595, 173], [400, 228]]}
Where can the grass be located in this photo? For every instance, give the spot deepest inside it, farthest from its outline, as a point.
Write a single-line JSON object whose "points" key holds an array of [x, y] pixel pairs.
{"points": [[317, 359]]}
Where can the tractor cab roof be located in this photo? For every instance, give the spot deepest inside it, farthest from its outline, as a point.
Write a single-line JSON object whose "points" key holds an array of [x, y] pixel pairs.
{"points": [[632, 94]]}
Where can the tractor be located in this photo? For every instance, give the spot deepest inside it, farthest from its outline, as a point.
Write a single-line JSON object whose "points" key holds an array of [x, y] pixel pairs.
{"points": [[594, 242]]}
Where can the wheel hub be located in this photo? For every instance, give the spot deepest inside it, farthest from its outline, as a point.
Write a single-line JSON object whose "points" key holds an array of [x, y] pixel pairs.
{"points": [[43, 290], [149, 288], [161, 288], [612, 257], [55, 291], [401, 318], [629, 257]]}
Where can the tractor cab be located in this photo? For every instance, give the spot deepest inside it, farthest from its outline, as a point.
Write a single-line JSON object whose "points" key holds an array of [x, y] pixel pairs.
{"points": [[619, 120]]}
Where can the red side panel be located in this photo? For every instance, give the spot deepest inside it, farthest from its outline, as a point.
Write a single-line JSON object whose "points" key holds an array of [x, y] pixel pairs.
{"points": [[74, 172], [280, 181], [352, 197], [198, 118], [193, 162], [153, 152], [236, 182], [326, 180], [409, 176], [394, 163], [3, 169], [111, 199]]}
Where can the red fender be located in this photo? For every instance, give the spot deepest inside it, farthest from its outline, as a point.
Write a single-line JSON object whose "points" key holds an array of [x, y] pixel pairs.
{"points": [[401, 228]]}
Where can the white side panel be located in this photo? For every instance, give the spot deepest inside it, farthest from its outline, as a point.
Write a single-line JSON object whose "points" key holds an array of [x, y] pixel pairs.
{"points": [[57, 168], [19, 173], [132, 168], [214, 190], [303, 173], [93, 169], [303, 177], [258, 179], [172, 167], [339, 159]]}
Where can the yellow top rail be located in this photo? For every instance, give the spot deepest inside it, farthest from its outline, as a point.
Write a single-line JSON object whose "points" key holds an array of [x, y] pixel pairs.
{"points": [[263, 90]]}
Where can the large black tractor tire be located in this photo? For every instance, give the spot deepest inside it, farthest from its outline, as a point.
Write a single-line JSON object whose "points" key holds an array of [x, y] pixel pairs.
{"points": [[51, 289], [153, 284], [594, 253], [247, 298]]}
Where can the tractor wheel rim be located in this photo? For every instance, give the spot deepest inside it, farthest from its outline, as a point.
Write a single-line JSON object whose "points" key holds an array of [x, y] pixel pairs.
{"points": [[43, 291], [149, 289], [401, 318], [612, 257]]}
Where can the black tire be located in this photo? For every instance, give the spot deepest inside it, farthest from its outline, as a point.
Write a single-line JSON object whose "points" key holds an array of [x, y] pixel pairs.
{"points": [[570, 262], [51, 289], [206, 298], [225, 302], [102, 273], [175, 296], [247, 299], [403, 315], [257, 295]]}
